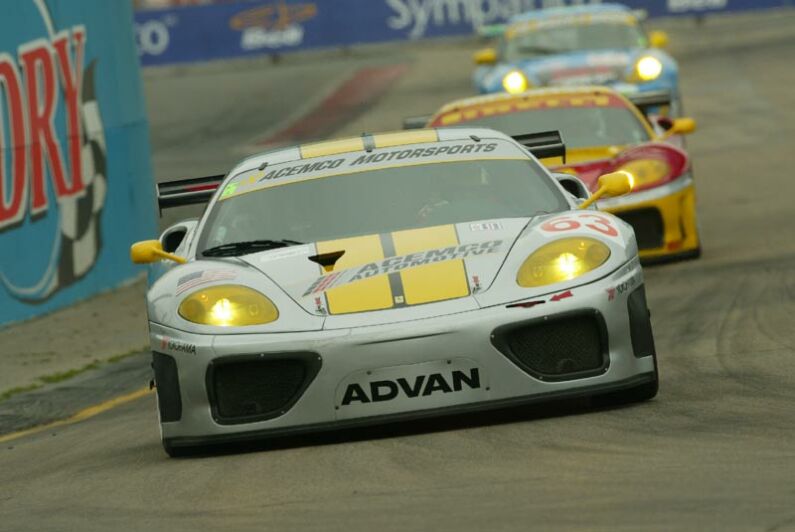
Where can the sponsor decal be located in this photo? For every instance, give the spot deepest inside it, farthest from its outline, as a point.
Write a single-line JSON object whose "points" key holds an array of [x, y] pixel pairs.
{"points": [[475, 284], [277, 254], [620, 289], [419, 17], [418, 386], [485, 226], [275, 25], [176, 346], [590, 222], [562, 295], [53, 157], [678, 6], [381, 156], [527, 104], [400, 263], [203, 277], [154, 36], [284, 173]]}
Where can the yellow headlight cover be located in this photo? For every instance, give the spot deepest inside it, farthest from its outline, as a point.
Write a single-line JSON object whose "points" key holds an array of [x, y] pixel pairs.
{"points": [[562, 260], [228, 306], [515, 82], [647, 171], [648, 68]]}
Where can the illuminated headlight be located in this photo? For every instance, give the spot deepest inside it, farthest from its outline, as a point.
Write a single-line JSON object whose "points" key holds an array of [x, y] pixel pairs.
{"points": [[648, 68], [515, 82], [647, 172], [562, 260], [228, 306]]}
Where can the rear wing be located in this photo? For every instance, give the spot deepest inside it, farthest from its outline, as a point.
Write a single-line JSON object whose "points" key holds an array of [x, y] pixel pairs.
{"points": [[187, 191], [416, 122], [650, 100], [544, 144]]}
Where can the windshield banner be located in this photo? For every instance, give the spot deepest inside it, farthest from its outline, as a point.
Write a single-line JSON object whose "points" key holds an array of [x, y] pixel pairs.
{"points": [[251, 27], [349, 163]]}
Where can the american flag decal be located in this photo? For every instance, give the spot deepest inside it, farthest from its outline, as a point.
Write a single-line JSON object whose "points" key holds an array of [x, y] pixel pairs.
{"points": [[198, 278]]}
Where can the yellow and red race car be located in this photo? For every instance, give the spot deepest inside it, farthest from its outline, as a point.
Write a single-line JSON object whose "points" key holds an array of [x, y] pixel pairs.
{"points": [[604, 132]]}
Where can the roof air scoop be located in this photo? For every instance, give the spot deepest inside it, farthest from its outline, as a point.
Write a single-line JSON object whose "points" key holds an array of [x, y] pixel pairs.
{"points": [[327, 260]]}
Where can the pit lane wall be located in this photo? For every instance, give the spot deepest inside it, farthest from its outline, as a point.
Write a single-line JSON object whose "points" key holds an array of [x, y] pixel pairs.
{"points": [[76, 184], [251, 27]]}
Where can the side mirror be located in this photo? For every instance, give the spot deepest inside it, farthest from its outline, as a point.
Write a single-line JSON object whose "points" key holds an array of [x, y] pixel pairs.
{"points": [[487, 56], [573, 185], [173, 237], [680, 126], [658, 39], [612, 184], [149, 251]]}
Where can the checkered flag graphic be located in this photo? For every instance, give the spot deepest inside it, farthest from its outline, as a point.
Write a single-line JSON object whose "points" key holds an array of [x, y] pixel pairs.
{"points": [[81, 236]]}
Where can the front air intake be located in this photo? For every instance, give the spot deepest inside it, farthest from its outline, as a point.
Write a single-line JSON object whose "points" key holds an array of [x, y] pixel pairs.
{"points": [[648, 226], [561, 347], [245, 389]]}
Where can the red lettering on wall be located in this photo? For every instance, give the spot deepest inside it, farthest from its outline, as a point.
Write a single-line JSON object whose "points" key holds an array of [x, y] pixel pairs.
{"points": [[72, 80], [39, 73], [12, 201]]}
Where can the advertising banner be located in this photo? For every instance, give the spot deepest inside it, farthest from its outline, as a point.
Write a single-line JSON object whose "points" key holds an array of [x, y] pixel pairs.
{"points": [[75, 174], [250, 27]]}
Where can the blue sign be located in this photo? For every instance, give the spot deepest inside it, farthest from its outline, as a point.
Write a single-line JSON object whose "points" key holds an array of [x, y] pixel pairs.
{"points": [[75, 175], [248, 27]]}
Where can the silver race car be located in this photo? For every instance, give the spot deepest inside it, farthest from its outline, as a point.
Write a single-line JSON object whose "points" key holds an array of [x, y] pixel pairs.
{"points": [[390, 277]]}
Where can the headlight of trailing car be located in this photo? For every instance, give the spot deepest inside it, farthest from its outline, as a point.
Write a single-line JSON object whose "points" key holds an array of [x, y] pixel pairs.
{"points": [[228, 306], [562, 260], [647, 68], [647, 172], [515, 82]]}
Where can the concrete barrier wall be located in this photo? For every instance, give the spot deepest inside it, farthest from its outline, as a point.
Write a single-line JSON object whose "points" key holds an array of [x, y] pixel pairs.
{"points": [[251, 27], [75, 174]]}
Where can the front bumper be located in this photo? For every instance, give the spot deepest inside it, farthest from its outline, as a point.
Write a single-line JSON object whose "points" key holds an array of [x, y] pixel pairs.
{"points": [[466, 343], [664, 220]]}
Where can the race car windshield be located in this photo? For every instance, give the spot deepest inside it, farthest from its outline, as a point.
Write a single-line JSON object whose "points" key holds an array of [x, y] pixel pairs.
{"points": [[563, 39], [580, 126], [384, 200]]}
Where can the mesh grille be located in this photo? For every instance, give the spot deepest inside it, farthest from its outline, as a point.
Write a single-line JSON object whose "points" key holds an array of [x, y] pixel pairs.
{"points": [[249, 390], [648, 226], [560, 347]]}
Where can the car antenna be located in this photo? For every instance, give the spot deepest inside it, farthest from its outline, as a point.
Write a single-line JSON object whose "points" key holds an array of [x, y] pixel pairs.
{"points": [[475, 138], [263, 166], [369, 142]]}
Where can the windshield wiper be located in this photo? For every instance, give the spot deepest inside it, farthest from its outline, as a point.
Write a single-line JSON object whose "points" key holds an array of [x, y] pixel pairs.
{"points": [[235, 249], [541, 50]]}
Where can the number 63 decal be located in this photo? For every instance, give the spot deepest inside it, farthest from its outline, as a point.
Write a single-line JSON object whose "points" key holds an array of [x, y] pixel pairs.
{"points": [[594, 222]]}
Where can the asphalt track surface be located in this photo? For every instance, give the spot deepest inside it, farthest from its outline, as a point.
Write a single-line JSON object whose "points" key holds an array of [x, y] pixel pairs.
{"points": [[714, 451]]}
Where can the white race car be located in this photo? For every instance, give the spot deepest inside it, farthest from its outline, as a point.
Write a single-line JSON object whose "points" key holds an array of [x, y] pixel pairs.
{"points": [[389, 277]]}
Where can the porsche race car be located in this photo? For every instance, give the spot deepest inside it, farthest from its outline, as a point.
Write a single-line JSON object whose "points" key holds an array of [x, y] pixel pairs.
{"points": [[390, 277], [605, 132], [601, 44]]}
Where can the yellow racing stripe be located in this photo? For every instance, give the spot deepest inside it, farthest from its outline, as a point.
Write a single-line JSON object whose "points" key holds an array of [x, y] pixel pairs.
{"points": [[368, 294], [432, 282], [401, 138], [332, 147]]}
